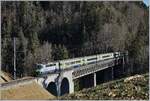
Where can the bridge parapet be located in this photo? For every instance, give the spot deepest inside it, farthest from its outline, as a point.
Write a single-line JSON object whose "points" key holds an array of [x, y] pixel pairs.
{"points": [[88, 69]]}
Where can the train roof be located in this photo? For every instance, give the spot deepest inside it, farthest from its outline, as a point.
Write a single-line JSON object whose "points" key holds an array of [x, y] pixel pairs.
{"points": [[76, 58], [82, 57]]}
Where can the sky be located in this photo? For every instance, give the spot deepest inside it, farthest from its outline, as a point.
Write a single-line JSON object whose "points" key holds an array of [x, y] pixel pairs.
{"points": [[146, 2]]}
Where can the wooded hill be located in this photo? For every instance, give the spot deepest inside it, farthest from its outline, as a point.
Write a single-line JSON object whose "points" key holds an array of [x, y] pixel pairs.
{"points": [[48, 31]]}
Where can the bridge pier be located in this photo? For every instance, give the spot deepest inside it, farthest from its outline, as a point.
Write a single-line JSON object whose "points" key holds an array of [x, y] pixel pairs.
{"points": [[112, 73], [94, 79], [123, 64], [58, 84], [119, 68], [71, 87], [68, 75]]}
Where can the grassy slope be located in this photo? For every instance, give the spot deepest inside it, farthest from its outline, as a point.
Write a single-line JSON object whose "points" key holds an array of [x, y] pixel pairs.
{"points": [[2, 80], [5, 76], [133, 89], [29, 91]]}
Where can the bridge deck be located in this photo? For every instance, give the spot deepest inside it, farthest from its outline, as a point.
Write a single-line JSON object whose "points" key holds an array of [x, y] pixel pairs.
{"points": [[88, 69]]}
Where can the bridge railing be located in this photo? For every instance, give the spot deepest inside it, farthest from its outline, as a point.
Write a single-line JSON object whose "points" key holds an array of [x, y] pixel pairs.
{"points": [[88, 69]]}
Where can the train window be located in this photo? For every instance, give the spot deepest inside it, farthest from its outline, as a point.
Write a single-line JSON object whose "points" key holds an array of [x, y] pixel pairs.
{"points": [[67, 63], [49, 65], [78, 61], [105, 56], [91, 59], [73, 62]]}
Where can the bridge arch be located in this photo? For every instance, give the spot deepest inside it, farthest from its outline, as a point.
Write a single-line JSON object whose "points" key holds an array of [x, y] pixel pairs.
{"points": [[52, 88], [64, 86]]}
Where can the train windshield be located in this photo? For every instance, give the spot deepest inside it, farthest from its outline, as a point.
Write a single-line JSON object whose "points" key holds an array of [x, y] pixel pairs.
{"points": [[39, 66]]}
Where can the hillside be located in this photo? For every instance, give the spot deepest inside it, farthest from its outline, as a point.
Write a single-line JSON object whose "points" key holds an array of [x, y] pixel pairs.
{"points": [[46, 31], [130, 88], [29, 91]]}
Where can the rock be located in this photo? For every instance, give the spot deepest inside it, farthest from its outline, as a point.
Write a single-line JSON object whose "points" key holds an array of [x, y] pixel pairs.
{"points": [[112, 94], [133, 78], [132, 98]]}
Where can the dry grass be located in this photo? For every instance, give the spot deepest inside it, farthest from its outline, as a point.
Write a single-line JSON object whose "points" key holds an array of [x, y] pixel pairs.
{"points": [[5, 77], [2, 80], [29, 91]]}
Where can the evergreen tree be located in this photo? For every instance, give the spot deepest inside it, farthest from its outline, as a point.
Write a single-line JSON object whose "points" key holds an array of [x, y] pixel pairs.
{"points": [[7, 46], [64, 52], [34, 41], [60, 52], [21, 53]]}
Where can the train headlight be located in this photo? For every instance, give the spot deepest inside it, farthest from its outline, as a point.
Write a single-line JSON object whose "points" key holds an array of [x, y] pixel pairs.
{"points": [[38, 71]]}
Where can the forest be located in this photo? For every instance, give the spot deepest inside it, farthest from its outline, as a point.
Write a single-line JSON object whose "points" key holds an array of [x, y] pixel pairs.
{"points": [[48, 31]]}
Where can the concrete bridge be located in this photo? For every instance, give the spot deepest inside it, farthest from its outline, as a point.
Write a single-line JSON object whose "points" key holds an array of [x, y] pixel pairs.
{"points": [[62, 82]]}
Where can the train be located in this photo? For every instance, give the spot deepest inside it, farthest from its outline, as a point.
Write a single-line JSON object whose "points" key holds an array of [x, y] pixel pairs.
{"points": [[55, 66]]}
